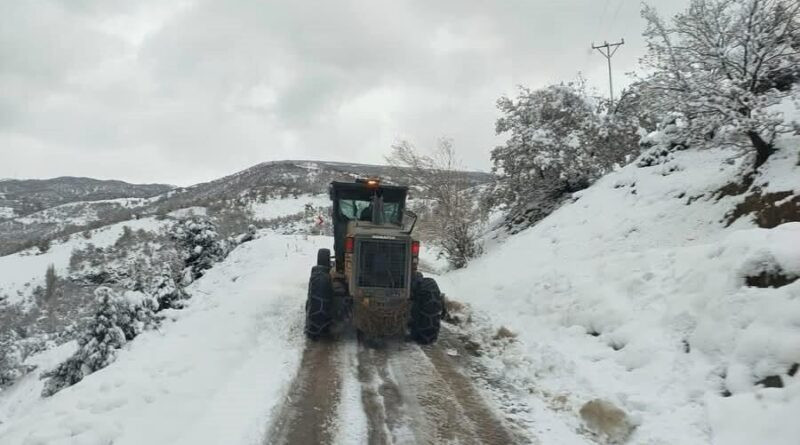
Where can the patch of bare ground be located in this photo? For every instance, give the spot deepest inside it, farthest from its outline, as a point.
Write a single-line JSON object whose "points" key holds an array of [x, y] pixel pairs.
{"points": [[736, 188], [768, 210]]}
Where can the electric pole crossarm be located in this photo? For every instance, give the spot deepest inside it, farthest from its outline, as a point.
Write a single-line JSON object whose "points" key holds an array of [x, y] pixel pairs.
{"points": [[606, 50]]}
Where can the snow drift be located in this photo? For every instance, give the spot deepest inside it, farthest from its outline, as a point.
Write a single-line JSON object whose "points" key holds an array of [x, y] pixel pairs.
{"points": [[638, 293]]}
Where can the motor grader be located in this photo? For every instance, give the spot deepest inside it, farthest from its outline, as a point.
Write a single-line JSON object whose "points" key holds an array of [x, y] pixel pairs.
{"points": [[372, 282]]}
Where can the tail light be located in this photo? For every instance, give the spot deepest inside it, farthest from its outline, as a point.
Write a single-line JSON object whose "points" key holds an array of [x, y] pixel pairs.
{"points": [[349, 244], [415, 248]]}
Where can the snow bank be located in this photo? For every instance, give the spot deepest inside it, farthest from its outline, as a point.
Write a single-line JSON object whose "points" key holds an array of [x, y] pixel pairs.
{"points": [[636, 293], [211, 374]]}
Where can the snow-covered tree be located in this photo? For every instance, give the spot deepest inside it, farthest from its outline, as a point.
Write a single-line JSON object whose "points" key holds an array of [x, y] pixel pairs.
{"points": [[50, 284], [167, 290], [559, 141], [202, 246], [118, 319], [722, 64]]}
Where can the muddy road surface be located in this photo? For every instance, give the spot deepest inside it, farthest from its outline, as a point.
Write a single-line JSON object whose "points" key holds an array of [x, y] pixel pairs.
{"points": [[349, 391]]}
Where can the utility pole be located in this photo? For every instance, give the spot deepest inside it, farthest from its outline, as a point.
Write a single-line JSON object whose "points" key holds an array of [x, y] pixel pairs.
{"points": [[608, 50]]}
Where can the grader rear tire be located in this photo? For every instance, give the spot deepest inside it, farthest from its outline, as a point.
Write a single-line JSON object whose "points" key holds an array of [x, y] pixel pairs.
{"points": [[324, 257], [426, 311], [319, 303]]}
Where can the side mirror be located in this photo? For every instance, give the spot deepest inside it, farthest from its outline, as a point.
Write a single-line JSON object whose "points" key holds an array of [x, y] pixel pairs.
{"points": [[409, 220]]}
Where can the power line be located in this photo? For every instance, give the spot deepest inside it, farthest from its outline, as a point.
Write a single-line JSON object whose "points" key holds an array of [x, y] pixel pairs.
{"points": [[616, 13], [608, 50], [603, 15]]}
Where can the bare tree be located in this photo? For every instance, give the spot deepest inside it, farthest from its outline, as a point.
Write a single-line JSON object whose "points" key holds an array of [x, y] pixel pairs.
{"points": [[454, 215]]}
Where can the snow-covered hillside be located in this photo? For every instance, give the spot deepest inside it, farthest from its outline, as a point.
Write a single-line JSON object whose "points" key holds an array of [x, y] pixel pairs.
{"points": [[256, 189], [637, 293], [21, 272], [27, 196], [654, 289], [210, 374]]}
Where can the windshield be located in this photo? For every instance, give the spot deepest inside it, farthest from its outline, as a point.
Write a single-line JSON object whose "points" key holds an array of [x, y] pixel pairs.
{"points": [[359, 210]]}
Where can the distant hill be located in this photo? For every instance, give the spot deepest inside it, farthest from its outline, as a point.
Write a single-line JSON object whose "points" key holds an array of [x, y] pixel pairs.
{"points": [[282, 178], [48, 209], [27, 196]]}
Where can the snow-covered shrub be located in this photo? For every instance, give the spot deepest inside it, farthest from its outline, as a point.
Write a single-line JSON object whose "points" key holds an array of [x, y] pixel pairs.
{"points": [[723, 65], [252, 230], [559, 142], [118, 319], [11, 363], [43, 245], [202, 246], [658, 146], [764, 270]]}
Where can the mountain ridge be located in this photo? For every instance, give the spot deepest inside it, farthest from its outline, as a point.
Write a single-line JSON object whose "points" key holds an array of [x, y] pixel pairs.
{"points": [[256, 184], [27, 196]]}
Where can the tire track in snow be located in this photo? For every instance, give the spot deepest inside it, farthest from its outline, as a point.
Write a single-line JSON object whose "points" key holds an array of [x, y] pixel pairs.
{"points": [[382, 400], [391, 393], [352, 425], [414, 394], [309, 412], [488, 427]]}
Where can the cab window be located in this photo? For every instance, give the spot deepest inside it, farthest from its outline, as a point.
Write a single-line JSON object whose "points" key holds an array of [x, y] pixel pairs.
{"points": [[358, 210]]}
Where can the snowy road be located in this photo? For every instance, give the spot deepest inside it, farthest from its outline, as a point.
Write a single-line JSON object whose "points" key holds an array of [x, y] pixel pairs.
{"points": [[347, 391], [234, 367]]}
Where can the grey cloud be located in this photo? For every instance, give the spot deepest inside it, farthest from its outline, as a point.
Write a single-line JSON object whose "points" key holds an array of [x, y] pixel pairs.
{"points": [[213, 87]]}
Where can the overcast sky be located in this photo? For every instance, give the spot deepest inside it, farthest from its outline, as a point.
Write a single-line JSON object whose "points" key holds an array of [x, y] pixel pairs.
{"points": [[186, 91]]}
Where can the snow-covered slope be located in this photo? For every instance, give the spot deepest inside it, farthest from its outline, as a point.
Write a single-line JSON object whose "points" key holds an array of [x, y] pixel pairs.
{"points": [[280, 207], [208, 375], [21, 272], [82, 213], [636, 293]]}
